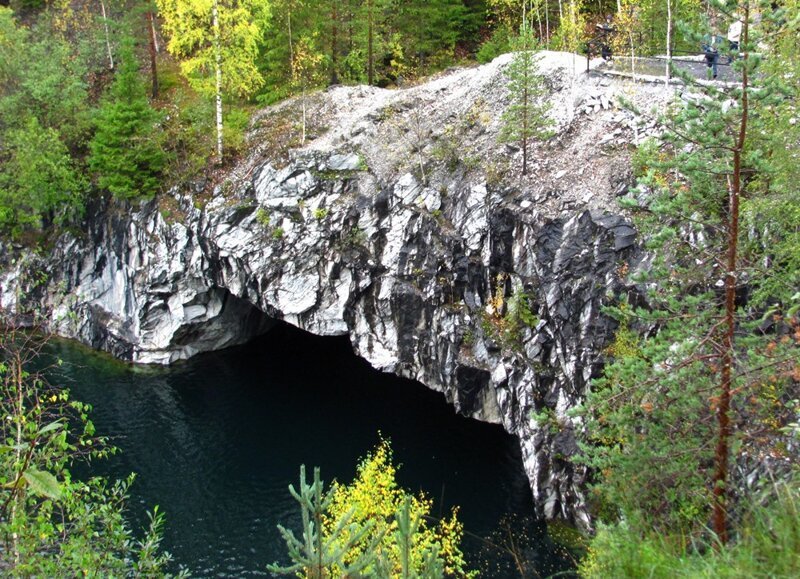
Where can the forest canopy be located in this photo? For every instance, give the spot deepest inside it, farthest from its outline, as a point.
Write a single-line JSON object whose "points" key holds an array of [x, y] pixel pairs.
{"points": [[130, 97]]}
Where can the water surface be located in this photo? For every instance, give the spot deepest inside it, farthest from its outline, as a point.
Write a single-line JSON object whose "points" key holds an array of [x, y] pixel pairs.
{"points": [[216, 440]]}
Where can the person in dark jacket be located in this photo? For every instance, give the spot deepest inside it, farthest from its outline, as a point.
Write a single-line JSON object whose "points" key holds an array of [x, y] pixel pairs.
{"points": [[710, 46]]}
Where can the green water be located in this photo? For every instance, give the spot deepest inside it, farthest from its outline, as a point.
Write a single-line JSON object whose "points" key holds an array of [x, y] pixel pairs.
{"points": [[215, 441]]}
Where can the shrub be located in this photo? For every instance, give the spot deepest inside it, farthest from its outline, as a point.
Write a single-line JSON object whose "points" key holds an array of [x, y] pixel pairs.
{"points": [[499, 43], [767, 545]]}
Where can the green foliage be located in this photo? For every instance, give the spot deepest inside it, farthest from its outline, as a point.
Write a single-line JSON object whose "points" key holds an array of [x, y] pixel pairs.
{"points": [[263, 217], [43, 122], [187, 23], [626, 341], [546, 419], [500, 42], [430, 28], [125, 152], [217, 43], [652, 422], [571, 28], [237, 120], [52, 525], [41, 76], [39, 184], [526, 117], [188, 129], [767, 545], [321, 552], [650, 425], [355, 237], [448, 148], [373, 527], [13, 41], [507, 319], [641, 27]]}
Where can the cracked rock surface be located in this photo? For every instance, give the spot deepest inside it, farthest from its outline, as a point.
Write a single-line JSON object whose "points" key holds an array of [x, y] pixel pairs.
{"points": [[402, 223]]}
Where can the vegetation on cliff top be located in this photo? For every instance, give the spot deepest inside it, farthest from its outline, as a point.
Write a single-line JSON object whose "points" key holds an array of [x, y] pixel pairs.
{"points": [[68, 88]]}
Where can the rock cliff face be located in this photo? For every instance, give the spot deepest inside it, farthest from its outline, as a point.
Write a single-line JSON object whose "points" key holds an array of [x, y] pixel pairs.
{"points": [[401, 223]]}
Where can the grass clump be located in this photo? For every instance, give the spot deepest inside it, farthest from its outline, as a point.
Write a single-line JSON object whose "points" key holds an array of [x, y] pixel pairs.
{"points": [[767, 545]]}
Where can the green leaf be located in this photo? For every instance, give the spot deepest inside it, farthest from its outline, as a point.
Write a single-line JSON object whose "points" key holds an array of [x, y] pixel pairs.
{"points": [[50, 427], [43, 483]]}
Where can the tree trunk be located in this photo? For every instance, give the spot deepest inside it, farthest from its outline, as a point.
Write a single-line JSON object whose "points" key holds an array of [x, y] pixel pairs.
{"points": [[20, 412], [539, 18], [525, 127], [728, 339], [153, 33], [669, 42], [303, 99], [370, 48], [547, 18], [524, 15], [291, 47], [218, 75], [350, 20], [525, 95], [108, 39], [334, 34], [151, 45]]}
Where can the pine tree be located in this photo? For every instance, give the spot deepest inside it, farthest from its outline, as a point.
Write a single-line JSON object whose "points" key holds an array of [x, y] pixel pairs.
{"points": [[125, 151], [526, 116], [699, 389], [318, 553]]}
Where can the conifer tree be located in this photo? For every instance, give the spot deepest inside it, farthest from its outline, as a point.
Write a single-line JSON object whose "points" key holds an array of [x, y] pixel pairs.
{"points": [[319, 552], [125, 152], [526, 116], [696, 392]]}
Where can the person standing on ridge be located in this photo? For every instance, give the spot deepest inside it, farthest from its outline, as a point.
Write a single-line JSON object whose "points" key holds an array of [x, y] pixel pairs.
{"points": [[710, 46]]}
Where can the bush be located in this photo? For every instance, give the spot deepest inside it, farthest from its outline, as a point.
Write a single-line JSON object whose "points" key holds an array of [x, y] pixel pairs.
{"points": [[52, 525], [235, 127], [499, 43], [768, 545], [39, 184], [372, 527], [189, 135]]}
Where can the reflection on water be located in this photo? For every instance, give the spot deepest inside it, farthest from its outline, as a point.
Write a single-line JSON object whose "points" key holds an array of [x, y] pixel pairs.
{"points": [[216, 441]]}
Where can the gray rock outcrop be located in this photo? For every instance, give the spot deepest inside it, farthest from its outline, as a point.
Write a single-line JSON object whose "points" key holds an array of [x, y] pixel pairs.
{"points": [[402, 223]]}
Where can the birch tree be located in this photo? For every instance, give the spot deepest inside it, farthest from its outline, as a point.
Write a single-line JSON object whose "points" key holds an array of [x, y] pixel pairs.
{"points": [[217, 43], [107, 36], [305, 73]]}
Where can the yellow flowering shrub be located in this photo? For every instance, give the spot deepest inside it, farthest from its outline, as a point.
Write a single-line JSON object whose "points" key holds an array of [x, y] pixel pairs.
{"points": [[374, 495]]}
